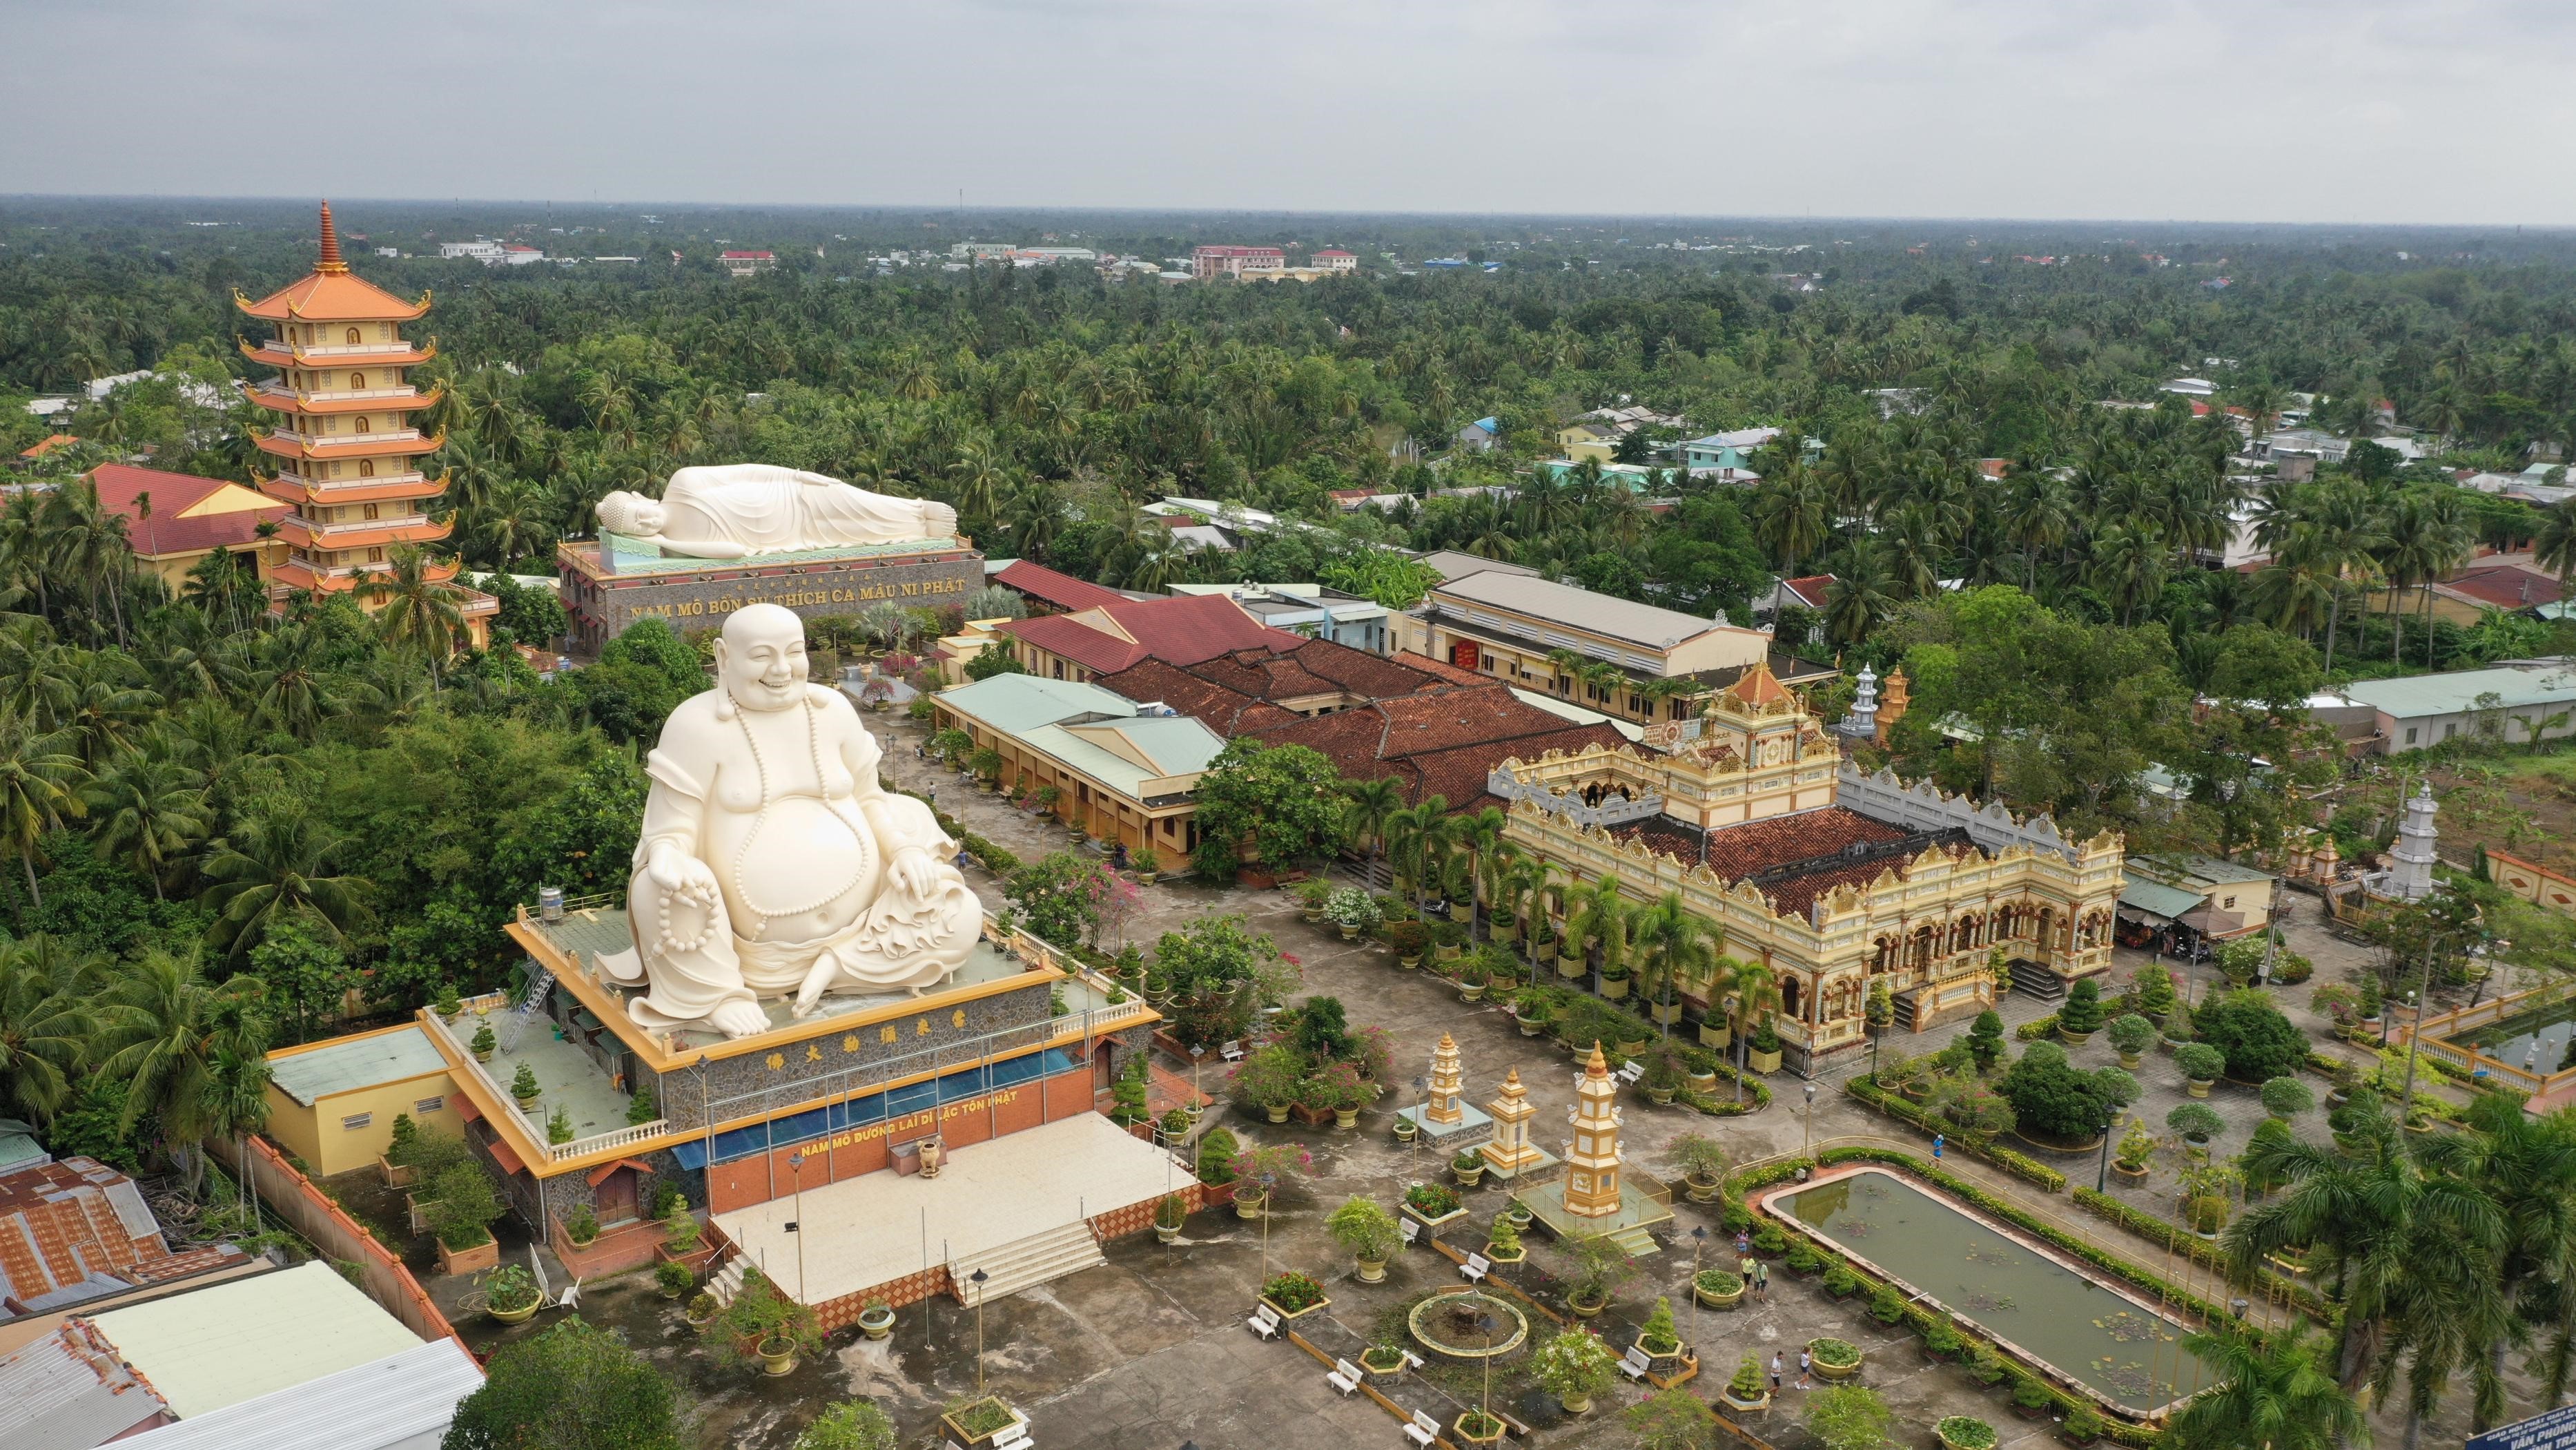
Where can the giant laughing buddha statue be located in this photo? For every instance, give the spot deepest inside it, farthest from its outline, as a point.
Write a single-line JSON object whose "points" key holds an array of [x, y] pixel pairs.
{"points": [[771, 862]]}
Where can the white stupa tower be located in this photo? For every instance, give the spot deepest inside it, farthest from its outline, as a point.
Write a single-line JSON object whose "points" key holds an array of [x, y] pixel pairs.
{"points": [[2412, 880], [1861, 722]]}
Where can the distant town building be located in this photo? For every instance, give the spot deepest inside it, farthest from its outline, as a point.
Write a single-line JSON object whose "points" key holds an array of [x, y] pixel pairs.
{"points": [[1481, 436], [1210, 263], [744, 264], [1333, 260], [481, 249]]}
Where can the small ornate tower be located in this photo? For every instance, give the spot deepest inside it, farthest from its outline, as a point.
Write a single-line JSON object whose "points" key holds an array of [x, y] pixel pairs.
{"points": [[1592, 1169], [1447, 1082], [1892, 708], [2413, 878], [1511, 1153], [1862, 722]]}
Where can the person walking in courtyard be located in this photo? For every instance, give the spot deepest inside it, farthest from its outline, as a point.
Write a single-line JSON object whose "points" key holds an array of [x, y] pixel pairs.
{"points": [[1746, 1268], [1761, 1279], [1806, 1369], [1743, 1244], [1937, 1141], [1775, 1371]]}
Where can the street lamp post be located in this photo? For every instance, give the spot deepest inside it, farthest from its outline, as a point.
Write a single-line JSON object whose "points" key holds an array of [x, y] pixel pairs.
{"points": [[2102, 1173], [1699, 1241], [1268, 1182], [1807, 1147], [977, 1278], [796, 1173]]}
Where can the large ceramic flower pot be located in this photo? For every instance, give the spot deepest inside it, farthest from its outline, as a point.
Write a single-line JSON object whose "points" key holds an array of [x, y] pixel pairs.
{"points": [[1570, 968], [1372, 1271], [2197, 1088], [520, 1315], [1763, 1061], [1346, 1117], [1715, 1034], [1614, 988], [1277, 1113], [777, 1356], [876, 1323]]}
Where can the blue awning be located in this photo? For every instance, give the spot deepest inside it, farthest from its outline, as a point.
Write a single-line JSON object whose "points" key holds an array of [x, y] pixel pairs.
{"points": [[795, 1128]]}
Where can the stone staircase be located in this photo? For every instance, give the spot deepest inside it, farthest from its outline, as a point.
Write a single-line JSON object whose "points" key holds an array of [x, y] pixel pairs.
{"points": [[1023, 1263], [2038, 981], [727, 1281], [1636, 1241]]}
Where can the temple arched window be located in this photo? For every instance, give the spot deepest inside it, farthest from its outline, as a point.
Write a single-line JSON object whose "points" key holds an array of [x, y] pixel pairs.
{"points": [[356, 338]]}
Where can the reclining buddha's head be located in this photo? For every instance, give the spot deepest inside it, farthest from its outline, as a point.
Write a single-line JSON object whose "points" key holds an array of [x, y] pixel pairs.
{"points": [[631, 514]]}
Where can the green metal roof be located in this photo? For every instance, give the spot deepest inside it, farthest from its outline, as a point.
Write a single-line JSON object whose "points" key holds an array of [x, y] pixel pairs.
{"points": [[1018, 704], [237, 1341], [1178, 744], [357, 1062], [2165, 901], [2457, 692]]}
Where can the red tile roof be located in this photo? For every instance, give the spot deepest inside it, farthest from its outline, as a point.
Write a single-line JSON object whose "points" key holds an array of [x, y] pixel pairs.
{"points": [[2505, 586], [1736, 852], [1443, 743], [1182, 631], [1057, 634], [1045, 585], [121, 487], [1227, 712], [47, 444], [1810, 588]]}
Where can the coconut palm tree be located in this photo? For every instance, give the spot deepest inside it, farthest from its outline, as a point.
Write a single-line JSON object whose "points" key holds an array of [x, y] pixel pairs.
{"points": [[2553, 545], [40, 780], [47, 1027], [1417, 839], [148, 810], [1750, 990], [1369, 808], [171, 1028], [2527, 1166], [415, 611], [2277, 1393], [1860, 596], [1672, 943], [277, 864], [1597, 920]]}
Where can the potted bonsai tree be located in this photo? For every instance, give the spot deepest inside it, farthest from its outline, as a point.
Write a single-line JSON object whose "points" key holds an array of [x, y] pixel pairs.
{"points": [[702, 1310], [511, 1294], [1364, 1228], [2201, 1064], [1469, 1168], [1659, 1339], [460, 1210], [1147, 865], [2030, 1398], [1762, 1049], [1662, 1078], [1503, 1241], [1574, 1366], [765, 1325], [672, 1278], [395, 1162], [2287, 1097], [485, 1043], [876, 1319], [2082, 1426], [2197, 1124], [1267, 1080], [1472, 980], [1531, 1009], [2081, 1016], [524, 1090], [2129, 1160], [1351, 911], [1311, 896], [1718, 1288], [2132, 1035], [1408, 940], [1598, 1267], [1169, 1217], [1747, 1391], [582, 1225], [1703, 1161]]}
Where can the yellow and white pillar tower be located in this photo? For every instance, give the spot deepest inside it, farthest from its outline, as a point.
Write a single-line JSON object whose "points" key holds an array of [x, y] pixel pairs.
{"points": [[1592, 1168], [1511, 1153], [1447, 1083]]}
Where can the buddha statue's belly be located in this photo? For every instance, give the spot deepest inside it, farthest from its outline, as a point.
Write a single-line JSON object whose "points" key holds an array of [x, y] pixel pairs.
{"points": [[797, 870]]}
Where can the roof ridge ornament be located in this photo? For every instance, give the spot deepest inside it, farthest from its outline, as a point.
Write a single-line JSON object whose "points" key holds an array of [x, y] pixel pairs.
{"points": [[331, 261]]}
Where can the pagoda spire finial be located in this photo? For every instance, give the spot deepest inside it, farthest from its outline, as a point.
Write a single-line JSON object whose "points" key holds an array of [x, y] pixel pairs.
{"points": [[331, 261]]}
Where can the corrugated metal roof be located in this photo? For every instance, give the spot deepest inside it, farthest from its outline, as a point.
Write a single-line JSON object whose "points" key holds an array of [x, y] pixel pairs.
{"points": [[353, 1063], [373, 1406], [1619, 619], [2166, 901], [1018, 704], [62, 1392], [232, 1342], [2458, 691]]}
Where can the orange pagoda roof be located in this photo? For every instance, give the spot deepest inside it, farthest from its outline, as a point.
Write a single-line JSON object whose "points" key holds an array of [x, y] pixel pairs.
{"points": [[332, 293], [316, 536], [296, 490], [281, 400], [293, 575], [358, 447], [396, 354]]}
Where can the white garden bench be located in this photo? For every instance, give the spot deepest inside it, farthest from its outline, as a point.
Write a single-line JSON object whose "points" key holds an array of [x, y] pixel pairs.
{"points": [[1475, 1269], [1412, 1232], [1629, 1073], [1014, 1438], [1345, 1377], [1422, 1430], [1264, 1321], [1636, 1364], [1231, 1051]]}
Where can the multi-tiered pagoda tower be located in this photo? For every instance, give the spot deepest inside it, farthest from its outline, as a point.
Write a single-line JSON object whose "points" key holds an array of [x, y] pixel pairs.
{"points": [[349, 452]]}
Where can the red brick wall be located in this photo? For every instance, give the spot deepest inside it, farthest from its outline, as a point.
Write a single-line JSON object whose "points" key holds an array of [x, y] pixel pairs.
{"points": [[758, 1179]]}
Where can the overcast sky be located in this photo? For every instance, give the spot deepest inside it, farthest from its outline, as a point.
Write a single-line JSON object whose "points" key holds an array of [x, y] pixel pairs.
{"points": [[2420, 111]]}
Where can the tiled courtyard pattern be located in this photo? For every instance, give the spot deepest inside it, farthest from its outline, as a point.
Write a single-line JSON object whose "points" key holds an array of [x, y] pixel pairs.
{"points": [[1151, 1349]]}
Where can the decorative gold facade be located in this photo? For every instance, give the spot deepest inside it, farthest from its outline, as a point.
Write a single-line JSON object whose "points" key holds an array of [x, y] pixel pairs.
{"points": [[1837, 879]]}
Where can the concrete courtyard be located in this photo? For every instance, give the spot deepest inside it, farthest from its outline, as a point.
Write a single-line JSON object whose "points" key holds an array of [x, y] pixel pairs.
{"points": [[1152, 1350]]}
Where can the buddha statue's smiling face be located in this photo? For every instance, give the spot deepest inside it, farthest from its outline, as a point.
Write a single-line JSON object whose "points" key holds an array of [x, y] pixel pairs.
{"points": [[761, 657]]}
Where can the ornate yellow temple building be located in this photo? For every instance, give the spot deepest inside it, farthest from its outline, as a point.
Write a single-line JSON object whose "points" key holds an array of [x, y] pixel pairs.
{"points": [[349, 452], [1831, 878]]}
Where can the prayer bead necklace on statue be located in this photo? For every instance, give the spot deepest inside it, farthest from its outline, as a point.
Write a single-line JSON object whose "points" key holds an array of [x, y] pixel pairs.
{"points": [[760, 767]]}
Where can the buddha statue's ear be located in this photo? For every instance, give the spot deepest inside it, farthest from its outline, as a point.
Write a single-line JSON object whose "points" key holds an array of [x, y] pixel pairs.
{"points": [[724, 696]]}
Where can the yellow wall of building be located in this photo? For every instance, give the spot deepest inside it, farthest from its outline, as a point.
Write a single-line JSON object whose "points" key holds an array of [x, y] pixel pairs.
{"points": [[319, 1136]]}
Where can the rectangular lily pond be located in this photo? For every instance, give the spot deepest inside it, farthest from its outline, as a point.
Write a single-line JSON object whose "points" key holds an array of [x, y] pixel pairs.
{"points": [[2128, 1353]]}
